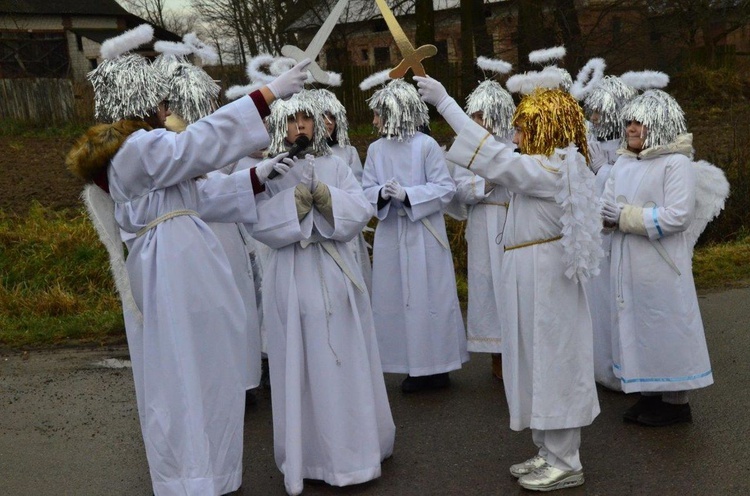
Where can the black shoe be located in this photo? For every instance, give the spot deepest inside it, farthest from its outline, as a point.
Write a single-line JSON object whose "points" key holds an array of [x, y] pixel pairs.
{"points": [[666, 414], [439, 381], [643, 405], [414, 384], [251, 399]]}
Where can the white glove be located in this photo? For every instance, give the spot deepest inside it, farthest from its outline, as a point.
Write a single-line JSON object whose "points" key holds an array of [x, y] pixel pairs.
{"points": [[384, 193], [611, 211], [431, 90], [395, 190], [290, 82], [309, 179], [281, 163]]}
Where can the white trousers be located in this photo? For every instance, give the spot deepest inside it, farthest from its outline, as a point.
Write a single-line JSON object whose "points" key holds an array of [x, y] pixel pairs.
{"points": [[559, 447]]}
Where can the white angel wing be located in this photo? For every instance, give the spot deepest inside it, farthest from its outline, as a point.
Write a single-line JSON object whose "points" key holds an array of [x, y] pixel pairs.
{"points": [[101, 210], [711, 191]]}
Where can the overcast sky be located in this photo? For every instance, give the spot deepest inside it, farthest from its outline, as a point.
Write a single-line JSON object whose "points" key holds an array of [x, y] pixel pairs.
{"points": [[178, 4]]}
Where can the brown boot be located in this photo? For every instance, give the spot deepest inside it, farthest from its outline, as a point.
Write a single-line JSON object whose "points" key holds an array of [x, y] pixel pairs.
{"points": [[497, 365]]}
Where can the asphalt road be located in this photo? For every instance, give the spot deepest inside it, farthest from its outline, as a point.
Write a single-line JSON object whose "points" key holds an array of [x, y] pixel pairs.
{"points": [[68, 426]]}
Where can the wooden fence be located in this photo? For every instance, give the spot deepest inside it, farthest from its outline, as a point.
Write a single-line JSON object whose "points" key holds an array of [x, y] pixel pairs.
{"points": [[45, 100], [62, 100]]}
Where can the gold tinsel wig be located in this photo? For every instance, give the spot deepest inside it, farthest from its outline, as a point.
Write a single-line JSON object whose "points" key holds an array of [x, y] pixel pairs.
{"points": [[549, 119]]}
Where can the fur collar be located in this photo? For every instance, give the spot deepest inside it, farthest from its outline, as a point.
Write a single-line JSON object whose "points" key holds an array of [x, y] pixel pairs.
{"points": [[683, 145], [92, 152]]}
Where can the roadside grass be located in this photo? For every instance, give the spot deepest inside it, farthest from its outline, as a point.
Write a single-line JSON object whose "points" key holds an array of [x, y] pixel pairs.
{"points": [[722, 266], [24, 129], [57, 290]]}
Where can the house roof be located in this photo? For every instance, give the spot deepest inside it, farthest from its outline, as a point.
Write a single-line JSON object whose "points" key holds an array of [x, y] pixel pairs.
{"points": [[363, 10], [75, 7]]}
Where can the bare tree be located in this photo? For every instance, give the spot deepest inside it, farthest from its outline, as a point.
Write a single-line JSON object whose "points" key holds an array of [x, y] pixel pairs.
{"points": [[709, 21], [156, 13]]}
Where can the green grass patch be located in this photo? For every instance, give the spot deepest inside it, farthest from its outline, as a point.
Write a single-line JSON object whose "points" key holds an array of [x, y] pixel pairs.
{"points": [[56, 288], [722, 266], [28, 129]]}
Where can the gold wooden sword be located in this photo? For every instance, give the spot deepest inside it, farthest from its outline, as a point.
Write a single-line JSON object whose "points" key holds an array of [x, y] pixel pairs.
{"points": [[412, 59]]}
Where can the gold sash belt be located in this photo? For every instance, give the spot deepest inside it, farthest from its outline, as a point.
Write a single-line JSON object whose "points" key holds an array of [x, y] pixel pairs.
{"points": [[532, 243]]}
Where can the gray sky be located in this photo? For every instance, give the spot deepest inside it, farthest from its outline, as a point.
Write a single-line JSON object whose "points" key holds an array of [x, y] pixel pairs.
{"points": [[178, 4]]}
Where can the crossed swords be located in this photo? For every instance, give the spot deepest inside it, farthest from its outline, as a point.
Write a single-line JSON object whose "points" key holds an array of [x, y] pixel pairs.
{"points": [[412, 58]]}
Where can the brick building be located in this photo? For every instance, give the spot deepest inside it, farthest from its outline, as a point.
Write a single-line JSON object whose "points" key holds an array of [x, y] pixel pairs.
{"points": [[59, 38]]}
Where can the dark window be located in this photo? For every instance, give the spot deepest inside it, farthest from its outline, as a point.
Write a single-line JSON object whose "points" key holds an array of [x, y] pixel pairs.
{"points": [[382, 55], [616, 29], [365, 55], [442, 51], [379, 26], [24, 54], [93, 64], [332, 59], [79, 42]]}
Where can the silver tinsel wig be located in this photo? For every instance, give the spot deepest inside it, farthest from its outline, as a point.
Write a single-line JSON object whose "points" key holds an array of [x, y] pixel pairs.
{"points": [[126, 85], [607, 98], [659, 113], [331, 105], [496, 105], [402, 112], [305, 101], [193, 94]]}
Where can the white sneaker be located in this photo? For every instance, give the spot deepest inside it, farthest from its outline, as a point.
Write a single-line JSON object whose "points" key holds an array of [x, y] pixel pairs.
{"points": [[527, 467], [549, 478]]}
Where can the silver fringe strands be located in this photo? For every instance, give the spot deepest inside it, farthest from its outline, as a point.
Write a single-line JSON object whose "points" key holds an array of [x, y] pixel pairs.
{"points": [[607, 99], [496, 105], [306, 101], [660, 113], [193, 94], [566, 79], [402, 111], [330, 104], [114, 81]]}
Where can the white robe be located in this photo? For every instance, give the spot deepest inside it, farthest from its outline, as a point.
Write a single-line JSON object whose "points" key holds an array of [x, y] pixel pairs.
{"points": [[350, 156], [598, 288], [485, 222], [417, 314], [331, 417], [659, 340], [258, 253], [547, 339], [189, 384], [238, 246]]}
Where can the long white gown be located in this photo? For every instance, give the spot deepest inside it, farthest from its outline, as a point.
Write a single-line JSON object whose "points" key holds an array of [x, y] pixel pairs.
{"points": [[350, 156], [331, 417], [659, 340], [238, 246], [598, 290], [189, 384], [414, 300], [548, 370], [485, 222]]}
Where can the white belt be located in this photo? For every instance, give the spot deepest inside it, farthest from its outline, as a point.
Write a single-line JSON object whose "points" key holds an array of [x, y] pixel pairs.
{"points": [[162, 218], [331, 249], [428, 225]]}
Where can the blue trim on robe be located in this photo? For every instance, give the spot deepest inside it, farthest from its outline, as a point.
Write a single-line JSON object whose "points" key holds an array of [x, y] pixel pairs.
{"points": [[656, 222], [664, 379]]}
